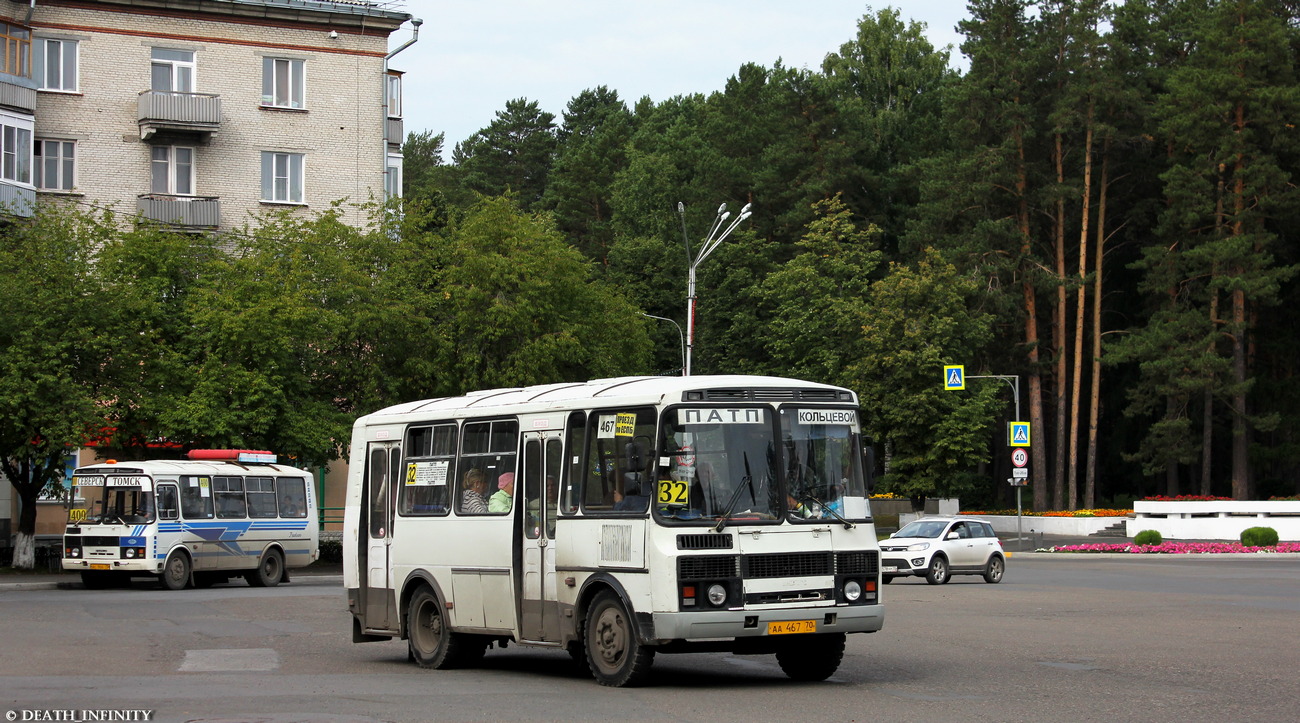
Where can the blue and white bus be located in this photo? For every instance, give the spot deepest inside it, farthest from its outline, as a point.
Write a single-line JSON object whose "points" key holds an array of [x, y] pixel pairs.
{"points": [[616, 519], [217, 515]]}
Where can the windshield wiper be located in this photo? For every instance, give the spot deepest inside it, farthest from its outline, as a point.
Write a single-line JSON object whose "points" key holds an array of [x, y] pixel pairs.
{"points": [[747, 480], [806, 497]]}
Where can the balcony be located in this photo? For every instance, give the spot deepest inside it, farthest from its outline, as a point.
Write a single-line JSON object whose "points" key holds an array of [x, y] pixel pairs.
{"points": [[16, 200], [394, 132], [194, 114], [182, 213], [17, 93]]}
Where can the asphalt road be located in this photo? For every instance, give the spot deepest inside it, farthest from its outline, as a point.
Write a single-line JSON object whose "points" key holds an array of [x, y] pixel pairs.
{"points": [[1061, 639]]}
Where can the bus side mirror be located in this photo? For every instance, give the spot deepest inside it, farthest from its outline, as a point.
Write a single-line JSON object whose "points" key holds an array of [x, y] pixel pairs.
{"points": [[869, 466]]}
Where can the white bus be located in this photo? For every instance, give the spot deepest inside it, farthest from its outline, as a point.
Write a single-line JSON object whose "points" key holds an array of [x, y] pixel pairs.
{"points": [[199, 521], [623, 518]]}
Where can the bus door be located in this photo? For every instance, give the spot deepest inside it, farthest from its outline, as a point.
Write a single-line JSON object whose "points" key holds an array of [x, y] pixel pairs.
{"points": [[383, 460], [543, 455]]}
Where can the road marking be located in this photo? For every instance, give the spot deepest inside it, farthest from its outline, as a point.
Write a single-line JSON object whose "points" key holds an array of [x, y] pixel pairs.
{"points": [[230, 660]]}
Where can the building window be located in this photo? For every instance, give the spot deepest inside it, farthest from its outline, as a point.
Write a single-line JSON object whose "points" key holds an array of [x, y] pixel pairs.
{"points": [[56, 165], [394, 96], [283, 82], [15, 149], [172, 170], [393, 179], [172, 70], [16, 42], [282, 177], [56, 64]]}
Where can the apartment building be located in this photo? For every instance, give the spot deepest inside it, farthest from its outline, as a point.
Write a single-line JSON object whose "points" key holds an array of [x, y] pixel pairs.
{"points": [[198, 113]]}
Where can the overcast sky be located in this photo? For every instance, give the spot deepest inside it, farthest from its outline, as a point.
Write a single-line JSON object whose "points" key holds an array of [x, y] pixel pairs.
{"points": [[474, 55]]}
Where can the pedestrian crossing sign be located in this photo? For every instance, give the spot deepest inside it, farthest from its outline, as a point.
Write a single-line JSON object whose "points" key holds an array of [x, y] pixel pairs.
{"points": [[954, 376], [1019, 436]]}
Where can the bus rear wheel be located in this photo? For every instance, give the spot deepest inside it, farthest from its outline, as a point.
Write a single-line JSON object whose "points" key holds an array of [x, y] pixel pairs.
{"points": [[428, 636], [812, 658], [614, 654], [176, 571], [268, 571]]}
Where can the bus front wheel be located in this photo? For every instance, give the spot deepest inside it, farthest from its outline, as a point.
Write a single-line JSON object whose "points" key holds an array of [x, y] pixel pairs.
{"points": [[176, 571], [615, 656], [811, 657], [268, 571]]}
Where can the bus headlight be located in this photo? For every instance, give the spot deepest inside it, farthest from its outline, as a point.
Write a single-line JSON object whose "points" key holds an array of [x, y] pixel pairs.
{"points": [[130, 552], [852, 591], [72, 552], [717, 594]]}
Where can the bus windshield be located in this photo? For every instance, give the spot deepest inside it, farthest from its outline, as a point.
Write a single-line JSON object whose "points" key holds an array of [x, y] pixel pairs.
{"points": [[721, 465], [126, 500], [823, 464]]}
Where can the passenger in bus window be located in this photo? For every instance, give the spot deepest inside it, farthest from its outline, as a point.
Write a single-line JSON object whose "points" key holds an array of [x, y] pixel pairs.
{"points": [[500, 501], [632, 498], [288, 508], [471, 496]]}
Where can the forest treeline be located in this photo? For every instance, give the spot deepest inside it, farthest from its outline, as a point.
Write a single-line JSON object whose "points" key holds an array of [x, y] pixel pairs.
{"points": [[1104, 205]]}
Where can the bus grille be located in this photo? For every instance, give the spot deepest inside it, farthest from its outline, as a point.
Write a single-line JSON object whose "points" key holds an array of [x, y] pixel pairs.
{"points": [[702, 567], [704, 542], [865, 562], [90, 541], [790, 564]]}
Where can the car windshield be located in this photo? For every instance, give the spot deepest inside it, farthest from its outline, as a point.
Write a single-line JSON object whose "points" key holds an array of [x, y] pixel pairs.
{"points": [[922, 528], [721, 465]]}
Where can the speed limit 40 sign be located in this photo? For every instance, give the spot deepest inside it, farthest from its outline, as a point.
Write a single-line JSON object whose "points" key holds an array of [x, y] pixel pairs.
{"points": [[1019, 456]]}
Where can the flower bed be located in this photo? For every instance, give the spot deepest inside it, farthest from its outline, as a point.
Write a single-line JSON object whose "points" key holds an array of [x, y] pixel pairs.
{"points": [[1177, 548]]}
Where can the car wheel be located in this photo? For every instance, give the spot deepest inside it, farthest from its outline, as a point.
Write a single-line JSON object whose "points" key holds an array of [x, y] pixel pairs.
{"points": [[993, 571], [811, 658], [615, 656], [938, 573]]}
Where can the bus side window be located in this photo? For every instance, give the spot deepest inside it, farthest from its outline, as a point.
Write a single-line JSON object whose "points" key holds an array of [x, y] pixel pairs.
{"points": [[168, 509], [229, 492], [571, 484], [196, 498], [293, 497], [261, 496], [608, 478]]}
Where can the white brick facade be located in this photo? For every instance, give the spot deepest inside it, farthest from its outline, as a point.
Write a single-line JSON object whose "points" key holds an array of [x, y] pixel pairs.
{"points": [[339, 132]]}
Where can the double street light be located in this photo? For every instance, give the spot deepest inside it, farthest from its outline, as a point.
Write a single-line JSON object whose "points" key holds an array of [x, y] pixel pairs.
{"points": [[711, 242]]}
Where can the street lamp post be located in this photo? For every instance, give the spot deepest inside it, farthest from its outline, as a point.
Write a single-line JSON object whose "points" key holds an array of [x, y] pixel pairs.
{"points": [[711, 242], [680, 338]]}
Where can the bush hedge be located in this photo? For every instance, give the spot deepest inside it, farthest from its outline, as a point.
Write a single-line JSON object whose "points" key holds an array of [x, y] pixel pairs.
{"points": [[1148, 537], [331, 551], [1259, 537]]}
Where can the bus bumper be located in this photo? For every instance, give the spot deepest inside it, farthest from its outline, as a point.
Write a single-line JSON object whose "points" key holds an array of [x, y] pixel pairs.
{"points": [[142, 566], [754, 623]]}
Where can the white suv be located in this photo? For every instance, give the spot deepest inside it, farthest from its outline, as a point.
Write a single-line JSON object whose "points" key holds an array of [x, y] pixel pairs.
{"points": [[937, 548]]}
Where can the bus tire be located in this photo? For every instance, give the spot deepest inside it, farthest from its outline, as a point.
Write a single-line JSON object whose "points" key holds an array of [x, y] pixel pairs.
{"points": [[614, 655], [428, 636], [811, 658], [176, 571], [269, 569]]}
